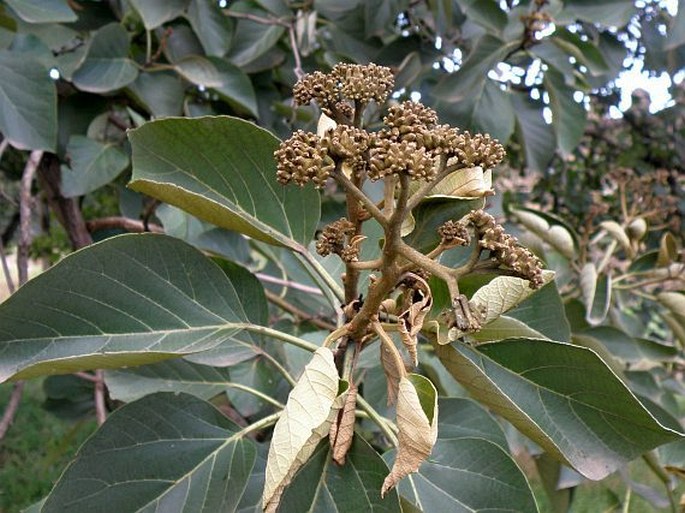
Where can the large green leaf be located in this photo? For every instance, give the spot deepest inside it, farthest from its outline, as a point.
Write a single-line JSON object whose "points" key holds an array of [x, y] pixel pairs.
{"points": [[236, 88], [568, 116], [43, 11], [28, 103], [92, 165], [212, 27], [533, 132], [616, 13], [470, 468], [198, 70], [107, 66], [130, 300], [156, 12], [561, 396], [486, 13], [251, 39], [323, 486], [221, 169], [165, 452]]}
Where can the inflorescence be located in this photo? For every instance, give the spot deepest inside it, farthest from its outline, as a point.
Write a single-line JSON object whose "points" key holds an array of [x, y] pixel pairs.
{"points": [[410, 142]]}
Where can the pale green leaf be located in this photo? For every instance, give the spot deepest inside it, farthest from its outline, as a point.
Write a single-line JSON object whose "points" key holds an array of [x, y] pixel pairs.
{"points": [[161, 93], [165, 452], [312, 405], [130, 300], [92, 164], [199, 70], [236, 88], [222, 170], [563, 397], [211, 26]]}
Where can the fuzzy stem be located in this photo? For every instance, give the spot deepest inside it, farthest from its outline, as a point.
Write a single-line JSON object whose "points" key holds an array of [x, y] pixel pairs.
{"points": [[357, 194], [276, 334]]}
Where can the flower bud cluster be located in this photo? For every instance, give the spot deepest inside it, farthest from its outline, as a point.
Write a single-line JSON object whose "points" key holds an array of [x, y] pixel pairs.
{"points": [[303, 158], [334, 239], [479, 150], [454, 233], [355, 82], [348, 144], [505, 249]]}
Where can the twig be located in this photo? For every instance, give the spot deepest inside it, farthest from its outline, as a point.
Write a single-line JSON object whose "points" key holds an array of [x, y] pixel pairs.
{"points": [[354, 191], [12, 406], [125, 223], [25, 203], [299, 73], [300, 314], [257, 19], [290, 284], [88, 377], [100, 407], [6, 270]]}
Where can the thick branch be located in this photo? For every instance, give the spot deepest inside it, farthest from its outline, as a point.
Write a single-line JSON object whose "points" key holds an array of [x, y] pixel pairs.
{"points": [[124, 223]]}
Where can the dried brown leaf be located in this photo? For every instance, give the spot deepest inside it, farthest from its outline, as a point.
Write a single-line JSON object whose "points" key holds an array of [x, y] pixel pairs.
{"points": [[418, 302], [417, 432], [392, 363], [342, 430]]}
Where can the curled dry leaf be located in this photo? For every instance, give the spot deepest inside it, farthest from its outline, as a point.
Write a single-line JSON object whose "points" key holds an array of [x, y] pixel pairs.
{"points": [[311, 408], [342, 429], [555, 235], [417, 420], [418, 302], [393, 365], [496, 298]]}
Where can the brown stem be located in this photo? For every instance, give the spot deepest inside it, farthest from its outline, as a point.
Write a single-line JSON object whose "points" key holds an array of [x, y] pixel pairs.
{"points": [[25, 204], [357, 194], [100, 407], [125, 223], [443, 172], [299, 73], [11, 410], [300, 314], [66, 210]]}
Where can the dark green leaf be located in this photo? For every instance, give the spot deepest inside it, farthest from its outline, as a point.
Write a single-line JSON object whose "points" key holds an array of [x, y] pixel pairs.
{"points": [[28, 103], [470, 468], [43, 11], [585, 52], [236, 88], [222, 170], [130, 300], [568, 116], [252, 40], [212, 27], [198, 70], [561, 396], [161, 93], [533, 132], [323, 486], [165, 452], [92, 165], [107, 66], [616, 13], [156, 12], [630, 349], [486, 13]]}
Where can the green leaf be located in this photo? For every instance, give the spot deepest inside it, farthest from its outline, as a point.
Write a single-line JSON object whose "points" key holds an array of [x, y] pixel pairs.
{"points": [[610, 13], [176, 375], [676, 31], [568, 116], [28, 103], [562, 397], [323, 486], [598, 308], [198, 70], [156, 12], [130, 300], [433, 212], [164, 452], [251, 40], [106, 66], [92, 165], [221, 169], [236, 88], [630, 349], [161, 93], [470, 468], [43, 11], [533, 132], [212, 27], [486, 13], [585, 52], [470, 79]]}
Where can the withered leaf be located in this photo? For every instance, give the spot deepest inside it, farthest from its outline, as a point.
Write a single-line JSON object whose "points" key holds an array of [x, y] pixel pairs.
{"points": [[342, 429]]}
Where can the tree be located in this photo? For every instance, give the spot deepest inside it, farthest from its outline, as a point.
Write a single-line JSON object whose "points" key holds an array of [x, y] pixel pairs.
{"points": [[187, 312]]}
